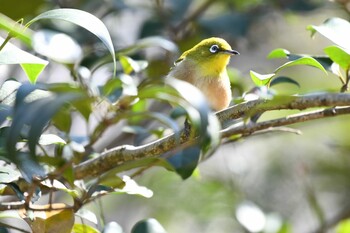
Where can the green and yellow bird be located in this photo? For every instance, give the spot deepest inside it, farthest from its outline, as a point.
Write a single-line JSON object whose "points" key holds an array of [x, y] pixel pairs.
{"points": [[204, 66]]}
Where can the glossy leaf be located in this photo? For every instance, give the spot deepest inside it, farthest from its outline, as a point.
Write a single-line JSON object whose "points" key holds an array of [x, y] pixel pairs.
{"points": [[335, 29], [309, 61], [339, 56], [185, 161], [82, 19], [150, 225], [261, 79], [283, 79], [30, 64], [278, 53]]}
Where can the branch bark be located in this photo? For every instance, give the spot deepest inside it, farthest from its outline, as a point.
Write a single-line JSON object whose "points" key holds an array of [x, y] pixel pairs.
{"points": [[124, 154]]}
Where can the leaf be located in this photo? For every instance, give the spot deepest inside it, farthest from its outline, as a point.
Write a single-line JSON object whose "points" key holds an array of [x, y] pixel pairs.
{"points": [[278, 53], [150, 225], [339, 56], [132, 188], [185, 161], [82, 19], [7, 175], [49, 139], [83, 228], [261, 79], [129, 65], [46, 220], [55, 184], [112, 227], [283, 79], [343, 226], [31, 64], [336, 30], [28, 166], [88, 215], [302, 61]]}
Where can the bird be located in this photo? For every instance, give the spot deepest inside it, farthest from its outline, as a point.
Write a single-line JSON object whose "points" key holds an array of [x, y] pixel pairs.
{"points": [[204, 66]]}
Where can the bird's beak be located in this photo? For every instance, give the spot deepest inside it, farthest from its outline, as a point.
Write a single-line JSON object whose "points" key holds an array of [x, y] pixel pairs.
{"points": [[231, 52]]}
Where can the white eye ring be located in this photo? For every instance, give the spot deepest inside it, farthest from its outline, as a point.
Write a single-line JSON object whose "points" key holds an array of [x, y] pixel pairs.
{"points": [[214, 48]]}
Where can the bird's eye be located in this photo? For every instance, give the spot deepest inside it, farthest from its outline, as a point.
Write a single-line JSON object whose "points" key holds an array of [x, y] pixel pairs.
{"points": [[214, 48]]}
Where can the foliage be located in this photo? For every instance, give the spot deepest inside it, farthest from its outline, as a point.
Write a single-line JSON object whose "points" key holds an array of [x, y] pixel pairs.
{"points": [[39, 154]]}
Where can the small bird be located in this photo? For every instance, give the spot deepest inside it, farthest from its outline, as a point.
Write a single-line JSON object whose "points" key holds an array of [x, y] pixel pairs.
{"points": [[204, 66]]}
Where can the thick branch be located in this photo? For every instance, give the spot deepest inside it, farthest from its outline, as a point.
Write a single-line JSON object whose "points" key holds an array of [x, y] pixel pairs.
{"points": [[124, 154]]}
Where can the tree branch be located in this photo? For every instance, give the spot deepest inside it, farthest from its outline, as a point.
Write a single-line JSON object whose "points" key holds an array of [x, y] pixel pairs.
{"points": [[124, 154]]}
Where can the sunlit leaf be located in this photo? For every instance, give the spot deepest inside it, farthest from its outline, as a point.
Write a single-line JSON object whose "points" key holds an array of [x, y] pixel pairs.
{"points": [[278, 53], [261, 79], [83, 228], [31, 64], [335, 29], [150, 225], [55, 184], [339, 56], [82, 19], [132, 188], [129, 65], [49, 139], [309, 61], [343, 226]]}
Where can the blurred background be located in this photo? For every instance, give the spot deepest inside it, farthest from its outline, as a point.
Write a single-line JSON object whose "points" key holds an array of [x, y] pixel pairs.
{"points": [[276, 182]]}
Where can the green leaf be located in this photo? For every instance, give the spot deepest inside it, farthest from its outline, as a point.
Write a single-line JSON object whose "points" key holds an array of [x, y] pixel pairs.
{"points": [[150, 225], [309, 61], [129, 65], [31, 64], [261, 79], [335, 29], [339, 56], [185, 161], [283, 79], [278, 53], [84, 20], [55, 184], [343, 226], [83, 228]]}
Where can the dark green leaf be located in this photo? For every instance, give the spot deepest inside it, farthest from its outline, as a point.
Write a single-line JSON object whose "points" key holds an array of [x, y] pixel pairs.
{"points": [[339, 56], [335, 29], [283, 79], [150, 225], [28, 166], [185, 161]]}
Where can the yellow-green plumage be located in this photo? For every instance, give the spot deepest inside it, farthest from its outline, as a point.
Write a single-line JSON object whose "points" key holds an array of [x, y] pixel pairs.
{"points": [[204, 66]]}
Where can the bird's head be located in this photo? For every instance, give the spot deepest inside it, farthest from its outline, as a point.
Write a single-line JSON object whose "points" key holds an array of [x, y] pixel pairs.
{"points": [[212, 54]]}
